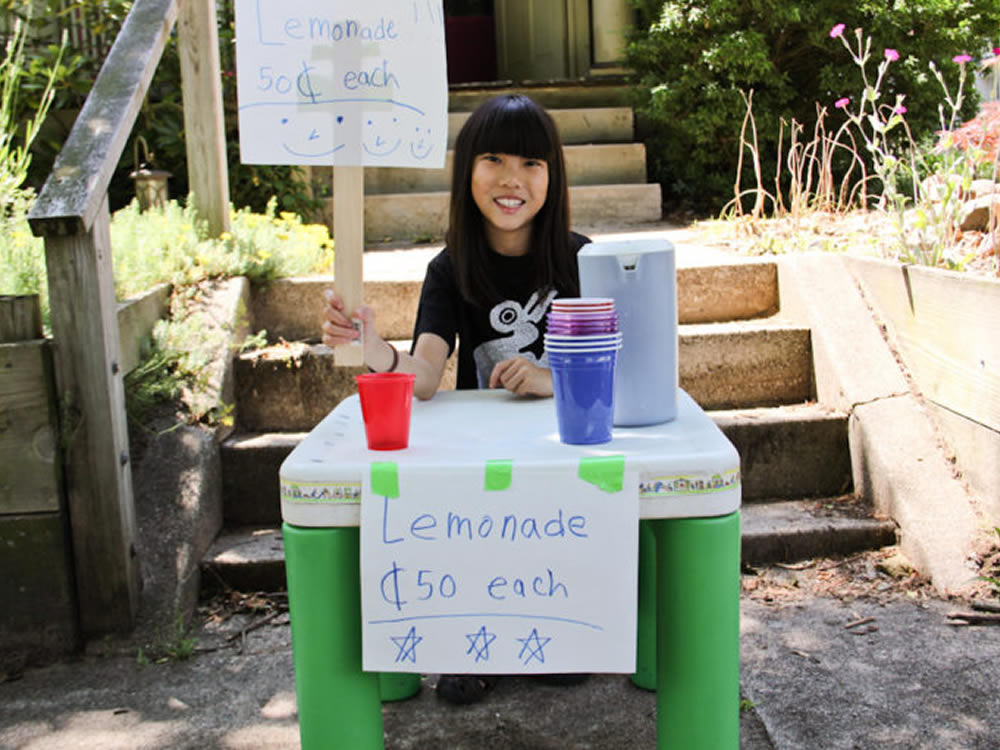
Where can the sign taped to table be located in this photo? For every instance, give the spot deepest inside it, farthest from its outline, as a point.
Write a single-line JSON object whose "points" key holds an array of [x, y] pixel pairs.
{"points": [[342, 82], [499, 568]]}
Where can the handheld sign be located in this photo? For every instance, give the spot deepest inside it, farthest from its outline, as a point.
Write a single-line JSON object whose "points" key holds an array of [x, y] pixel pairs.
{"points": [[327, 82], [346, 83], [500, 568]]}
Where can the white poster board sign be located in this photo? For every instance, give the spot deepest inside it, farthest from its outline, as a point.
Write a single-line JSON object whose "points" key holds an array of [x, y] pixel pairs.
{"points": [[342, 82], [505, 568]]}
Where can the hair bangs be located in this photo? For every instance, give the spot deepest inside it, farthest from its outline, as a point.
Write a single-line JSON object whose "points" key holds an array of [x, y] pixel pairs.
{"points": [[515, 128]]}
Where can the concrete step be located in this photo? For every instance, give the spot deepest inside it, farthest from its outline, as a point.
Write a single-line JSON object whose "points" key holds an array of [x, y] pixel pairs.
{"points": [[607, 92], [591, 164], [251, 558], [292, 386], [787, 452], [422, 217], [577, 125], [291, 309]]}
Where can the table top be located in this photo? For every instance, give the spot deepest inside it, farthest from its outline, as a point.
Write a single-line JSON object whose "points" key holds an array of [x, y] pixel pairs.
{"points": [[687, 467]]}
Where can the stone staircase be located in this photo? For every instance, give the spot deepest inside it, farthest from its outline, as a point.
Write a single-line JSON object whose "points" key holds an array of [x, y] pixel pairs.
{"points": [[751, 368], [606, 167], [739, 358]]}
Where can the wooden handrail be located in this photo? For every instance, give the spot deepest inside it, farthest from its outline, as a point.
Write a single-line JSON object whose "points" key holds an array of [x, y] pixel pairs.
{"points": [[78, 184], [73, 215]]}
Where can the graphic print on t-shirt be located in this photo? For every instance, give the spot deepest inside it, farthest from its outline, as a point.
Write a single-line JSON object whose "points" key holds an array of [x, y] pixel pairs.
{"points": [[519, 326]]}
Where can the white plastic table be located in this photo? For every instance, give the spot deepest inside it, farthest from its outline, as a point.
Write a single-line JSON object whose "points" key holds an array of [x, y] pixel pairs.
{"points": [[689, 553]]}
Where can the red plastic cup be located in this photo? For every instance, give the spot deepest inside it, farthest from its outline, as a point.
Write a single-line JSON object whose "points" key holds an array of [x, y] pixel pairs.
{"points": [[386, 399]]}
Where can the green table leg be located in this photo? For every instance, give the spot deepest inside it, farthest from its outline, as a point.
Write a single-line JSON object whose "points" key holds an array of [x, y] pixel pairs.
{"points": [[645, 640], [338, 704], [397, 686], [698, 622]]}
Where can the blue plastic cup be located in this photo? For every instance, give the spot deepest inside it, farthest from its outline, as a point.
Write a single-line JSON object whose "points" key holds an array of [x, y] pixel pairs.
{"points": [[583, 385]]}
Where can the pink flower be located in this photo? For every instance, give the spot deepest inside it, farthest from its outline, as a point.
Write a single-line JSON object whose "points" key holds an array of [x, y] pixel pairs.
{"points": [[900, 110], [891, 55], [961, 59], [842, 102], [996, 50], [837, 31]]}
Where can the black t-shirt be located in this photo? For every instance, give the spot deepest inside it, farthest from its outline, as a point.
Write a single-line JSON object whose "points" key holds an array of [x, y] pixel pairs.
{"points": [[510, 328]]}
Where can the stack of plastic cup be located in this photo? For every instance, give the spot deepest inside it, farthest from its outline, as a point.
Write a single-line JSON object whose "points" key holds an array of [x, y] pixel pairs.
{"points": [[581, 344]]}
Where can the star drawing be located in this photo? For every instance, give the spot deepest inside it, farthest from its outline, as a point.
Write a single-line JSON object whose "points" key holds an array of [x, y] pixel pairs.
{"points": [[407, 646], [479, 642], [534, 646]]}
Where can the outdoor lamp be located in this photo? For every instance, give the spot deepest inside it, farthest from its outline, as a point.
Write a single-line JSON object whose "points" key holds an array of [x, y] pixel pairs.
{"points": [[150, 184]]}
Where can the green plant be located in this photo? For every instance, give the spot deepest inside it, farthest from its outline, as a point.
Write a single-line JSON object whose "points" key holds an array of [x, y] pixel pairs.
{"points": [[22, 265], [692, 60], [993, 578], [176, 644], [168, 245], [17, 132], [935, 202], [923, 187]]}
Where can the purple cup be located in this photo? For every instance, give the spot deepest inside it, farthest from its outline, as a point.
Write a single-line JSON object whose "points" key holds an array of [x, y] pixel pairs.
{"points": [[581, 329], [583, 391]]}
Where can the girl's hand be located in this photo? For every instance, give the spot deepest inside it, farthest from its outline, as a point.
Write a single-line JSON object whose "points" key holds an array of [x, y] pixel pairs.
{"points": [[522, 377], [339, 328]]}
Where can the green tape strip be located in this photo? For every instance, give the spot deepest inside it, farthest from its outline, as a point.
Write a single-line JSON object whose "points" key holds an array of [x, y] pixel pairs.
{"points": [[499, 474], [385, 479], [606, 472]]}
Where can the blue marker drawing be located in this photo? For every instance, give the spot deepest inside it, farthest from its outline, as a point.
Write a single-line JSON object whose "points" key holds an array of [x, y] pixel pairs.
{"points": [[260, 31], [316, 145], [420, 148], [336, 100], [407, 646], [378, 139], [480, 615], [479, 642], [533, 644]]}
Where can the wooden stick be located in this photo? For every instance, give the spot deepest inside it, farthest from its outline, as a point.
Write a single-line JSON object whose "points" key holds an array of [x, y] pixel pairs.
{"points": [[973, 618], [349, 244], [862, 621], [253, 626]]}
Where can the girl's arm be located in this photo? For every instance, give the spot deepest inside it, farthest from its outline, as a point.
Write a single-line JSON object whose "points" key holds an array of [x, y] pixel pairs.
{"points": [[427, 361]]}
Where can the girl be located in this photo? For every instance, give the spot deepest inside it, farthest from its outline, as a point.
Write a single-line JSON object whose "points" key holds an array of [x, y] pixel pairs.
{"points": [[509, 252]]}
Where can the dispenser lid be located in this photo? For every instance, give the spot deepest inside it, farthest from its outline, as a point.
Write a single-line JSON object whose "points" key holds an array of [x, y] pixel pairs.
{"points": [[633, 248]]}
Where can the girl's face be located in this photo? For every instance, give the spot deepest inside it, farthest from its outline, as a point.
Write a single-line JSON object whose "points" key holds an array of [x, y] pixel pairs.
{"points": [[509, 191]]}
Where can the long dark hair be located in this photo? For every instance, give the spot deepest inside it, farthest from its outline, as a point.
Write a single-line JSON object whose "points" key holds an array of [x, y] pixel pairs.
{"points": [[510, 124]]}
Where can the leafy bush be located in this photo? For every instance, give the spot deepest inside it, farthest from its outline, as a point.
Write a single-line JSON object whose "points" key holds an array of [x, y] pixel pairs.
{"points": [[160, 121], [692, 60], [170, 245]]}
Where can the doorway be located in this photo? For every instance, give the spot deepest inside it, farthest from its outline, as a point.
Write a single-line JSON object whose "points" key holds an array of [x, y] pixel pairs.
{"points": [[470, 41]]}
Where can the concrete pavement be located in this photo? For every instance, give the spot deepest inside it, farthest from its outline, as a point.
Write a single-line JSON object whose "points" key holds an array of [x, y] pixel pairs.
{"points": [[835, 654]]}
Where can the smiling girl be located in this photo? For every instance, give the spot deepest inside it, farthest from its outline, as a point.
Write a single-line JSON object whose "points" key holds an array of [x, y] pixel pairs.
{"points": [[509, 252]]}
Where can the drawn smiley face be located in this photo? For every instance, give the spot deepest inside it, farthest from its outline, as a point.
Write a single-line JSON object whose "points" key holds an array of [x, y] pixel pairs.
{"points": [[309, 139], [421, 145], [380, 135]]}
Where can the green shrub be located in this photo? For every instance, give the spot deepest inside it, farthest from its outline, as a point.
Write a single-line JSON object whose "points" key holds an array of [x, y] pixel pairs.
{"points": [[692, 60], [161, 119]]}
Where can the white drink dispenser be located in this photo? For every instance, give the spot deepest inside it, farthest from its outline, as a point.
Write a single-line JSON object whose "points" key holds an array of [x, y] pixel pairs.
{"points": [[641, 277]]}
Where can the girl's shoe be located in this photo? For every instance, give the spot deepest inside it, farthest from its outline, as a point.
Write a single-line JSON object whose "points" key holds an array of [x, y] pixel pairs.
{"points": [[463, 689]]}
